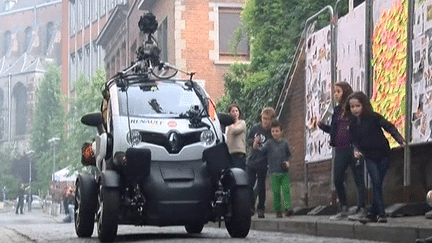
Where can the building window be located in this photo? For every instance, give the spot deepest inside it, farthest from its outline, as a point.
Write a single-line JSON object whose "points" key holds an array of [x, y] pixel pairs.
{"points": [[87, 64], [28, 39], [7, 5], [72, 70], [20, 107], [73, 21], [80, 62], [50, 34], [7, 43], [162, 35], [80, 14], [87, 12], [94, 10], [102, 5], [229, 21]]}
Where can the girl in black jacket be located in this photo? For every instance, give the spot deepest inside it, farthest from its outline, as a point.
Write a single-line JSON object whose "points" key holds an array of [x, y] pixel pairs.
{"points": [[344, 157], [369, 141]]}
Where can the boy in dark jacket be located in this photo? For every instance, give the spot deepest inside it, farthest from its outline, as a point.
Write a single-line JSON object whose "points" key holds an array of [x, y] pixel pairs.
{"points": [[256, 167]]}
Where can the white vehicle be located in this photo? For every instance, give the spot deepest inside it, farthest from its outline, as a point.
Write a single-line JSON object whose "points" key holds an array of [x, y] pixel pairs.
{"points": [[160, 156]]}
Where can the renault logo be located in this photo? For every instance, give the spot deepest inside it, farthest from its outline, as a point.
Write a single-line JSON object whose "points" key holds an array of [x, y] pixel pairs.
{"points": [[174, 142]]}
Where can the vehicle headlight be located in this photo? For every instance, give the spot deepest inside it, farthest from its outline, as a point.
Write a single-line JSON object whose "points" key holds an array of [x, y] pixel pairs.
{"points": [[133, 137], [207, 137], [429, 198]]}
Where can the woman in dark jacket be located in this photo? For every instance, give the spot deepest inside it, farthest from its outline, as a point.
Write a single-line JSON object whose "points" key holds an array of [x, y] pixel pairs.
{"points": [[344, 157], [369, 141]]}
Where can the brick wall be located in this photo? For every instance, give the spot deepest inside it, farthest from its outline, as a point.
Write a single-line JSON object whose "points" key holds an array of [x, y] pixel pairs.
{"points": [[317, 190]]}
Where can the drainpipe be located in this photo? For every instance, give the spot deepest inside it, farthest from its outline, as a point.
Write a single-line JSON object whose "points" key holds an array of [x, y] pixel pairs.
{"points": [[408, 102], [9, 108]]}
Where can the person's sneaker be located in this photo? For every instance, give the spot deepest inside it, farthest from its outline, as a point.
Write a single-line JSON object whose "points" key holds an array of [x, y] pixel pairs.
{"points": [[382, 219], [289, 212], [260, 213], [343, 214], [278, 214], [359, 213], [363, 218], [67, 219], [339, 216]]}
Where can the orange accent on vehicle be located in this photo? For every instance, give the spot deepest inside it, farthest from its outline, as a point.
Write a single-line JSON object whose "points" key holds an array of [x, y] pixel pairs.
{"points": [[88, 152], [212, 109]]}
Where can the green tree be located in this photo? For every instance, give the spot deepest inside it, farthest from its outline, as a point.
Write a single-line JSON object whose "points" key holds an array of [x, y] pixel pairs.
{"points": [[8, 153], [87, 99], [273, 28], [48, 123]]}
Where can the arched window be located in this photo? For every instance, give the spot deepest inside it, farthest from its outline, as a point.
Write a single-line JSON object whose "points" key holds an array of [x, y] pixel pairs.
{"points": [[28, 39], [50, 34], [7, 42], [7, 5], [19, 108], [2, 114]]}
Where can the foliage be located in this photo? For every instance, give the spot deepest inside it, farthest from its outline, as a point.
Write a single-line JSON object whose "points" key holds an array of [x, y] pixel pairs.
{"points": [[47, 123], [389, 62], [88, 96], [273, 28], [7, 179]]}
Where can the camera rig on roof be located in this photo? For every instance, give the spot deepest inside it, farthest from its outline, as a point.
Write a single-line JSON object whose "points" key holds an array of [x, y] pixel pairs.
{"points": [[148, 59]]}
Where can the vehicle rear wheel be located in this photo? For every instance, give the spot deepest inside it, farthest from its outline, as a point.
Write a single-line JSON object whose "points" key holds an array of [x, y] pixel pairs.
{"points": [[239, 223], [108, 213], [194, 228], [85, 205]]}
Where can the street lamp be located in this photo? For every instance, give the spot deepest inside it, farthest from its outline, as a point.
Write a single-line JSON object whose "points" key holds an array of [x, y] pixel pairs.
{"points": [[53, 142], [29, 157]]}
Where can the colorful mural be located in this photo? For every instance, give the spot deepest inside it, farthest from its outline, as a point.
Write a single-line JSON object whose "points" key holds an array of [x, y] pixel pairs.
{"points": [[389, 43]]}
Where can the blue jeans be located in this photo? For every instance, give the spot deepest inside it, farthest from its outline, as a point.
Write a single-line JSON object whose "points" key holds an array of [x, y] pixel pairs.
{"points": [[377, 169], [238, 160], [259, 176], [344, 158]]}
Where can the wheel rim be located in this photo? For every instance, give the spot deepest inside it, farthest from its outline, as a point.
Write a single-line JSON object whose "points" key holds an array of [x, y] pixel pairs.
{"points": [[77, 204], [99, 212]]}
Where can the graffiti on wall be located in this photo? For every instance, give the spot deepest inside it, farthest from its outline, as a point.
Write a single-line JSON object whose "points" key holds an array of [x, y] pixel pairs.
{"points": [[421, 85], [318, 94]]}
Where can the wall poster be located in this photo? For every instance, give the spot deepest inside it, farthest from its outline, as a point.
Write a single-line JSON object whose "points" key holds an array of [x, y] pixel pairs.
{"points": [[318, 94], [421, 86], [351, 48]]}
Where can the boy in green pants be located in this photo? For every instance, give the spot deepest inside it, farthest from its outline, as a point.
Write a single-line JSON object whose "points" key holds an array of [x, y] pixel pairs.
{"points": [[278, 156]]}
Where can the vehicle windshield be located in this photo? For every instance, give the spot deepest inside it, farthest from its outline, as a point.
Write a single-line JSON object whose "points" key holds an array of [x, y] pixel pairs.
{"points": [[159, 99]]}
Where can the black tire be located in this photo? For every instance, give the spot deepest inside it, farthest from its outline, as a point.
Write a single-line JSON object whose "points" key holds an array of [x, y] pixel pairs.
{"points": [[85, 205], [238, 225], [109, 202], [194, 228]]}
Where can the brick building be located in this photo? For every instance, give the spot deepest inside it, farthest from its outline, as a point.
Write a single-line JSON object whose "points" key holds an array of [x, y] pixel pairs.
{"points": [[193, 36], [30, 37]]}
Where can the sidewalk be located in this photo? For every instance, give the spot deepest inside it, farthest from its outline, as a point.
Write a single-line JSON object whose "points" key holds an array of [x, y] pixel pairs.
{"points": [[397, 229]]}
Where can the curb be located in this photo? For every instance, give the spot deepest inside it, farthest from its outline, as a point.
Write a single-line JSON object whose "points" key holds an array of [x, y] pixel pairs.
{"points": [[402, 229]]}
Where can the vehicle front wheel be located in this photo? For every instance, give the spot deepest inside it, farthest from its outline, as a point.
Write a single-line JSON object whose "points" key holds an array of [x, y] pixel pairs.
{"points": [[195, 228], [108, 213], [85, 205], [238, 225]]}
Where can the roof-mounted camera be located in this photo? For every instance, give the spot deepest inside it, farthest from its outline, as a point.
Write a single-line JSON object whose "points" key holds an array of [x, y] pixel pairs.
{"points": [[148, 61]]}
